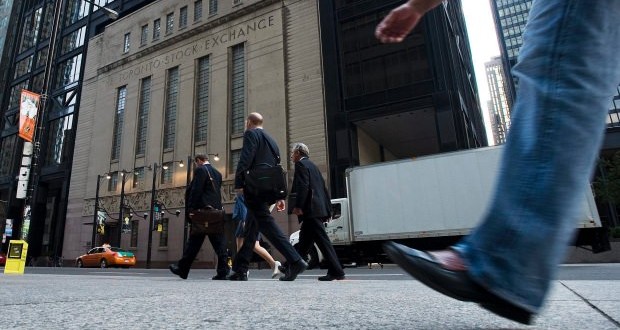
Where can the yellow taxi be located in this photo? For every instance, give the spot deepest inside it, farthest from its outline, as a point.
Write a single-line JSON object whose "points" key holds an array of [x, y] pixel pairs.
{"points": [[106, 256]]}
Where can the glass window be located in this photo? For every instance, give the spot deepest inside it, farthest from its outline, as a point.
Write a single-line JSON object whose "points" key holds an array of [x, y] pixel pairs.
{"points": [[69, 71], [127, 43], [170, 116], [235, 155], [76, 10], [133, 242], [6, 154], [156, 29], [73, 40], [163, 235], [183, 17], [138, 178], [118, 123], [24, 66], [113, 182], [143, 115], [46, 28], [212, 7], [167, 170], [169, 23], [237, 89], [16, 92], [197, 10], [202, 101], [144, 35], [30, 31], [41, 57], [58, 138]]}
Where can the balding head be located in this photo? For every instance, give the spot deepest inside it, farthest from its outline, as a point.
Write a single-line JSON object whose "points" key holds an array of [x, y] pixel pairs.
{"points": [[254, 120]]}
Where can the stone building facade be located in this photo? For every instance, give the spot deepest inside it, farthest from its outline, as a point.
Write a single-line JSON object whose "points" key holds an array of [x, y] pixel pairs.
{"points": [[177, 78]]}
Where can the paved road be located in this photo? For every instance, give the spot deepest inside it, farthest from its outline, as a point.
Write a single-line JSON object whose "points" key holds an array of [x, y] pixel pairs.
{"points": [[585, 297]]}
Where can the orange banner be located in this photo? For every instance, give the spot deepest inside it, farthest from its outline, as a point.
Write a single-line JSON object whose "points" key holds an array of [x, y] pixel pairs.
{"points": [[28, 108]]}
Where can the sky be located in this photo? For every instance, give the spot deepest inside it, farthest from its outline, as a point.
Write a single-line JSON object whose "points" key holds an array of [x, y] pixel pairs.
{"points": [[483, 43]]}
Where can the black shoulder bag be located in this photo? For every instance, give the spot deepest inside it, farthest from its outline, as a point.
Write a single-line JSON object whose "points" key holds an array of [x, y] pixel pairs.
{"points": [[266, 184], [208, 220]]}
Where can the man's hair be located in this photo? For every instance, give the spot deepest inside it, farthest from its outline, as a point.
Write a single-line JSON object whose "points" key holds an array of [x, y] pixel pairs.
{"points": [[256, 119], [302, 148], [201, 157]]}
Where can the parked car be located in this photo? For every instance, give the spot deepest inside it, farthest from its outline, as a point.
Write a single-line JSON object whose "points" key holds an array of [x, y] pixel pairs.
{"points": [[104, 256], [2, 258]]}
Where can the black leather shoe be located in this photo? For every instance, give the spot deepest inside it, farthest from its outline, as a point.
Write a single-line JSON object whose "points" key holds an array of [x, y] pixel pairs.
{"points": [[294, 270], [177, 271], [238, 277], [448, 275], [330, 277]]}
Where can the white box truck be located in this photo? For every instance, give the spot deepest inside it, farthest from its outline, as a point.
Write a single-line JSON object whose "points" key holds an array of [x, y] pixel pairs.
{"points": [[427, 202]]}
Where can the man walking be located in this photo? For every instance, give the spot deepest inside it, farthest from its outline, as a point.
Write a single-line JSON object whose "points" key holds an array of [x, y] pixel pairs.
{"points": [[313, 208], [568, 71], [203, 192], [260, 150]]}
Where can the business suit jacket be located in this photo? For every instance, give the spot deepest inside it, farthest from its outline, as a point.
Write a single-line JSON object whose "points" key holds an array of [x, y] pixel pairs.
{"points": [[255, 153], [201, 192], [311, 193]]}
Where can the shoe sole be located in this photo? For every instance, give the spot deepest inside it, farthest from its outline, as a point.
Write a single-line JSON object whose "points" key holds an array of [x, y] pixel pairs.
{"points": [[496, 306]]}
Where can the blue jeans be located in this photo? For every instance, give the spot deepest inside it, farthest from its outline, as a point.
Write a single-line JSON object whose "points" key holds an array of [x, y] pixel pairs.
{"points": [[568, 70]]}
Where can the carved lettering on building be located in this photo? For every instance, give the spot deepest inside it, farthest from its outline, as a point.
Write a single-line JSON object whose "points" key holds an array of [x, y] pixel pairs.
{"points": [[198, 48]]}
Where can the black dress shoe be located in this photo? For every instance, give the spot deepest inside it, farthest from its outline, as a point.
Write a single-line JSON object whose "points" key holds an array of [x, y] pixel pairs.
{"points": [[330, 277], [238, 277], [177, 271], [457, 284], [294, 270]]}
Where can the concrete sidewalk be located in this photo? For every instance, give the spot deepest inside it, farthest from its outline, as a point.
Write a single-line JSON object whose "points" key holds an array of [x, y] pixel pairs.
{"points": [[33, 301]]}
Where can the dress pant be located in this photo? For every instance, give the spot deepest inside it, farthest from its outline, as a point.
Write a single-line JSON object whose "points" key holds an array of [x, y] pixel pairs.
{"points": [[313, 231], [259, 219], [568, 70], [194, 243]]}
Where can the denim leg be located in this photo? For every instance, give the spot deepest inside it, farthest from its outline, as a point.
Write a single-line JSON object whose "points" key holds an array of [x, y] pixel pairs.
{"points": [[567, 72]]}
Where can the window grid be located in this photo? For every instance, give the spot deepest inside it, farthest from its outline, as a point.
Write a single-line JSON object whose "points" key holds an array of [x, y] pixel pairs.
{"points": [[167, 171], [138, 178], [183, 17], [113, 182], [235, 155], [118, 123], [169, 23], [58, 139], [135, 224], [212, 7], [156, 29], [143, 116], [238, 89], [8, 145], [172, 92], [69, 71], [126, 43], [163, 235], [197, 10], [201, 121], [144, 35]]}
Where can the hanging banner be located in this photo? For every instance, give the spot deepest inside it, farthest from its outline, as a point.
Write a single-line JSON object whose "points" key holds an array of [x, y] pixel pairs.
{"points": [[28, 108]]}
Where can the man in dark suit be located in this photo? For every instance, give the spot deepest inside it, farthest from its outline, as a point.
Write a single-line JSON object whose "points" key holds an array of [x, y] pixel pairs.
{"points": [[313, 208], [204, 191], [260, 149]]}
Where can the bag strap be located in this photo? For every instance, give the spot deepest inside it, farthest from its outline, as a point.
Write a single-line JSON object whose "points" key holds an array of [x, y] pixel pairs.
{"points": [[211, 179], [273, 152]]}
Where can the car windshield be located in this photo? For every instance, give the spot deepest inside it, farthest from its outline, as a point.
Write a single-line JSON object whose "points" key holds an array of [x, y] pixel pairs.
{"points": [[115, 249]]}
